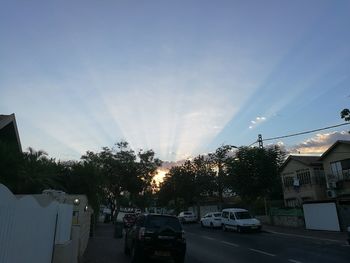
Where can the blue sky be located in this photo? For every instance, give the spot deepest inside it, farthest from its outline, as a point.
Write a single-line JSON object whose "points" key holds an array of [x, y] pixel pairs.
{"points": [[180, 77]]}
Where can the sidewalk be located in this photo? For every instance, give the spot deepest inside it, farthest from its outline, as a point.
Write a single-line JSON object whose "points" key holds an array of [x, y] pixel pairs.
{"points": [[104, 248], [339, 237]]}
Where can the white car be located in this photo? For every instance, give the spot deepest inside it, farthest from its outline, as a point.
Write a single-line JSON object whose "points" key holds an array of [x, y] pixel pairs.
{"points": [[239, 219], [187, 217], [211, 220]]}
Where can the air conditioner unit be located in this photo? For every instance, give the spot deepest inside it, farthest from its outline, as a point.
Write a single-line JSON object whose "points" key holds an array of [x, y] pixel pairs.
{"points": [[331, 194]]}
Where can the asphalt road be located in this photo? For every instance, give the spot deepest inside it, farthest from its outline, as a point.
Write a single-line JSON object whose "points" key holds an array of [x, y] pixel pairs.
{"points": [[215, 246], [208, 245]]}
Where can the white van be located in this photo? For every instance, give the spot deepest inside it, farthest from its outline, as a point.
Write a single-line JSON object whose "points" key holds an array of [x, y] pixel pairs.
{"points": [[239, 219]]}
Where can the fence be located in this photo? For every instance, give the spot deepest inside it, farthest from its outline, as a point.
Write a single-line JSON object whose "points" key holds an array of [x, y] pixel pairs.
{"points": [[286, 212], [30, 231]]}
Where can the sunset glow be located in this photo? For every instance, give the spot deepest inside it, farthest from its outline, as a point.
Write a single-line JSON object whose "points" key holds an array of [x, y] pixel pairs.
{"points": [[102, 73], [160, 175]]}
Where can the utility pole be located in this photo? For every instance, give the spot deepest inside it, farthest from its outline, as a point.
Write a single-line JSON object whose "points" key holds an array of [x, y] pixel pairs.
{"points": [[260, 141]]}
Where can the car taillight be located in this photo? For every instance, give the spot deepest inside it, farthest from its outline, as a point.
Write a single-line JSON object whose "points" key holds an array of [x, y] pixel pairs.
{"points": [[142, 233]]}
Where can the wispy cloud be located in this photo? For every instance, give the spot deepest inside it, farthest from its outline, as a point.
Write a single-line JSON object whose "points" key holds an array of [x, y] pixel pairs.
{"points": [[257, 121]]}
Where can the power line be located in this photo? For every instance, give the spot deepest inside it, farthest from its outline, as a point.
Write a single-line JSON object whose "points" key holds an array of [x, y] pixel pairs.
{"points": [[305, 132], [252, 143]]}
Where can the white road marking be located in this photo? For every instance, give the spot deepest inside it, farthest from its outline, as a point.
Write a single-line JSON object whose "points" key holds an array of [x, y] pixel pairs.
{"points": [[262, 252], [294, 261], [206, 237], [309, 237], [229, 243]]}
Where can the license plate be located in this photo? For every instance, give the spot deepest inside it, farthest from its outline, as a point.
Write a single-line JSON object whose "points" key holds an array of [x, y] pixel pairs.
{"points": [[162, 253]]}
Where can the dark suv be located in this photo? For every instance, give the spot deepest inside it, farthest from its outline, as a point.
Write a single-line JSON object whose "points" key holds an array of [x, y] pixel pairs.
{"points": [[155, 236]]}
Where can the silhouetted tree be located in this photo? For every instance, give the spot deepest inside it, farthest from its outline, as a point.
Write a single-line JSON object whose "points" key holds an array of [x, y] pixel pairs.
{"points": [[254, 172], [219, 160], [345, 114]]}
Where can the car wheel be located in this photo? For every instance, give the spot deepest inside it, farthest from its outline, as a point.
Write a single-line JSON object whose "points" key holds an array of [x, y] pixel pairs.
{"points": [[135, 255], [224, 227], [211, 225]]}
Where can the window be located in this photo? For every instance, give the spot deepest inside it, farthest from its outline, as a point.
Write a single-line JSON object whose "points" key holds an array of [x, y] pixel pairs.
{"points": [[304, 176], [288, 181], [217, 214], [225, 214], [345, 164], [341, 169], [292, 202], [319, 175], [161, 221], [337, 170], [232, 216], [243, 215]]}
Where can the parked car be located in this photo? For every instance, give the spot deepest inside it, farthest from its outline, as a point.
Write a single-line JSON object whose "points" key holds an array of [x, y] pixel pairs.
{"points": [[155, 236], [211, 220], [187, 217], [239, 219]]}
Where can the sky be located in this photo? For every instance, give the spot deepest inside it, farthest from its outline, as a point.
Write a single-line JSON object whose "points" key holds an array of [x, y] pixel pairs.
{"points": [[181, 77]]}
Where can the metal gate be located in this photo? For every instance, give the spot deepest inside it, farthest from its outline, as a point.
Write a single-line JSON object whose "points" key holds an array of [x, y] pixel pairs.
{"points": [[321, 216]]}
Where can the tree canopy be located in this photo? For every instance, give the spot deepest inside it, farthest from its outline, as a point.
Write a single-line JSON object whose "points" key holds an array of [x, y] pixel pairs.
{"points": [[105, 176], [250, 173], [345, 114]]}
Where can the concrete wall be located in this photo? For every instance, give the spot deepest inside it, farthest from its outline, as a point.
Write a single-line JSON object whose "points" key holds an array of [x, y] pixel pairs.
{"points": [[81, 225], [288, 221], [64, 253], [344, 215], [28, 230]]}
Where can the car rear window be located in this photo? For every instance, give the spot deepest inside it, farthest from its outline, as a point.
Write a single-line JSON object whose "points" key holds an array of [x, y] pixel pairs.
{"points": [[243, 215], [163, 221], [217, 214], [188, 213]]}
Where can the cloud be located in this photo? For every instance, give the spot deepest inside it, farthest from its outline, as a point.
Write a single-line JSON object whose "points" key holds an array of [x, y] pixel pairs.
{"points": [[319, 143], [257, 121]]}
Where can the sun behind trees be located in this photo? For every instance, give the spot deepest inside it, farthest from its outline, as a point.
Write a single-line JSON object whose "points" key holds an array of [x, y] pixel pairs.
{"points": [[119, 176]]}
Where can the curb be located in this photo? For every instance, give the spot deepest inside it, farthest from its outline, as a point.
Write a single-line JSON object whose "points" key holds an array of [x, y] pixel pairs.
{"points": [[305, 236]]}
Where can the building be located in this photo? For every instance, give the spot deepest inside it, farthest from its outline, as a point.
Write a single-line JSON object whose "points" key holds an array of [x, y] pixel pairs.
{"points": [[303, 179], [336, 163], [9, 132]]}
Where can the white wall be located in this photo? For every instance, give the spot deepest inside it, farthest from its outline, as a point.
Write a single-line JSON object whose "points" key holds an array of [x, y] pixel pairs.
{"points": [[64, 223], [27, 229]]}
